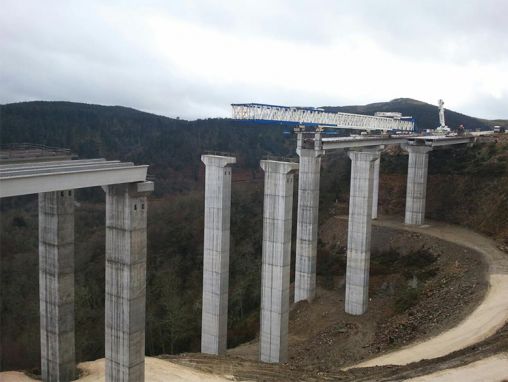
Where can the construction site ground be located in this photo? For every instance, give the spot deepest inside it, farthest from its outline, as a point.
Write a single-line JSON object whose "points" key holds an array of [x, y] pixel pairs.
{"points": [[457, 330], [461, 317]]}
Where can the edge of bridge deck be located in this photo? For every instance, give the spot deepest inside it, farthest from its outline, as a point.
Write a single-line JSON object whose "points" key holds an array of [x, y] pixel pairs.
{"points": [[66, 162], [429, 140], [30, 178]]}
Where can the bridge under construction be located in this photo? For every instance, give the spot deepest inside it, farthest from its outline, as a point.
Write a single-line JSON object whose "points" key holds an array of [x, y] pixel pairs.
{"points": [[364, 150], [54, 177]]}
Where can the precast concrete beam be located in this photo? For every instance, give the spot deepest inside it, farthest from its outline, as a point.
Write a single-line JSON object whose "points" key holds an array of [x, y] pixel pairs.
{"points": [[307, 224], [359, 229], [416, 191], [126, 216], [56, 285], [276, 258], [19, 180], [375, 188], [216, 253]]}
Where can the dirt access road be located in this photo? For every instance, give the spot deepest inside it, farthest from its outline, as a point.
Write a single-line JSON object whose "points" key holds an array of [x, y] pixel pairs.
{"points": [[485, 320], [156, 370], [493, 368]]}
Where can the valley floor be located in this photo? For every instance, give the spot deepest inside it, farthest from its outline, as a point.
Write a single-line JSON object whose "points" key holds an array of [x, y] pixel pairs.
{"points": [[483, 322], [471, 348], [156, 370], [466, 338]]}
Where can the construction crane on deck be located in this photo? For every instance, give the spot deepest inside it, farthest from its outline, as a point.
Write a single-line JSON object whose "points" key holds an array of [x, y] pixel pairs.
{"points": [[306, 116], [442, 128]]}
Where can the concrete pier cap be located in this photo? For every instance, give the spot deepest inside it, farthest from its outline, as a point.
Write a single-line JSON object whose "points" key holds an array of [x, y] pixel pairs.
{"points": [[217, 160], [279, 167]]}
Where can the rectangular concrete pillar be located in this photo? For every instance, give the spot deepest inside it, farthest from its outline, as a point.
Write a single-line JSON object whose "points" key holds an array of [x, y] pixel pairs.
{"points": [[56, 285], [126, 216], [216, 253], [375, 188], [307, 224], [416, 183], [359, 229], [276, 258]]}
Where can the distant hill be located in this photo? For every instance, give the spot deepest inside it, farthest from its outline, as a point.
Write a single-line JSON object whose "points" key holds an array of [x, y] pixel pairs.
{"points": [[426, 115], [173, 147]]}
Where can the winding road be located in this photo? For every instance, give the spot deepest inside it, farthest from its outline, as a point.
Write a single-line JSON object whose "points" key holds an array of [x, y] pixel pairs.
{"points": [[484, 321]]}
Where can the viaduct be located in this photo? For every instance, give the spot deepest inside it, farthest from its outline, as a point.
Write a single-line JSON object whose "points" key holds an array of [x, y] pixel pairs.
{"points": [[364, 153], [126, 191]]}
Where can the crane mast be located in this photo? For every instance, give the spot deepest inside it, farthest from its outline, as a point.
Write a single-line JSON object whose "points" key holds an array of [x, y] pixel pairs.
{"points": [[441, 114], [442, 129], [261, 113]]}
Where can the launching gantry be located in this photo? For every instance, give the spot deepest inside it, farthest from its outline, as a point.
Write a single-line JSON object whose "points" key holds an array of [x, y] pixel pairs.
{"points": [[309, 116]]}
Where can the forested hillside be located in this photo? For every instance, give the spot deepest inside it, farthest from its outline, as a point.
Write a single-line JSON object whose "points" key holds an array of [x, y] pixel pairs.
{"points": [[425, 115], [172, 148]]}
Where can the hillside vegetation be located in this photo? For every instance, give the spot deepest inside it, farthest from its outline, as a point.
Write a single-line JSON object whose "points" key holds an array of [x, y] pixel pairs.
{"points": [[466, 186], [426, 115]]}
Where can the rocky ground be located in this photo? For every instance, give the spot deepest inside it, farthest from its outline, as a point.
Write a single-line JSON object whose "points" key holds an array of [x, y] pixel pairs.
{"points": [[420, 286]]}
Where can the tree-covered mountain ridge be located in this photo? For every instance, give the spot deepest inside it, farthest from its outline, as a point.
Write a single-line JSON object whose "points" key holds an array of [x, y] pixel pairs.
{"points": [[425, 114], [172, 147]]}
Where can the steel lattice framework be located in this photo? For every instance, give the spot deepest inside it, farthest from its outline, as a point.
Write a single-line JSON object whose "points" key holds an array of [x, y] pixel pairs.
{"points": [[262, 113]]}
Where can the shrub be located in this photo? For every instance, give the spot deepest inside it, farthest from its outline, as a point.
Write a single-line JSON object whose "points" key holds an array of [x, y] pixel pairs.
{"points": [[418, 259], [407, 299], [384, 262]]}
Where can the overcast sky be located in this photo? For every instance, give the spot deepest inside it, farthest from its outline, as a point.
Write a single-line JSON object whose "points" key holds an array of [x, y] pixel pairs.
{"points": [[192, 59]]}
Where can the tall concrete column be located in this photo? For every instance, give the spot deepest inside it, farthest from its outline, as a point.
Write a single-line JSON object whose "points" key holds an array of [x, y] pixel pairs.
{"points": [[216, 253], [416, 183], [375, 188], [56, 285], [307, 224], [276, 258], [359, 229], [126, 215]]}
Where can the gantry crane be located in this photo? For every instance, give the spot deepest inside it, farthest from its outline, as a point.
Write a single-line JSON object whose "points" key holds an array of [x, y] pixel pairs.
{"points": [[442, 129], [305, 116]]}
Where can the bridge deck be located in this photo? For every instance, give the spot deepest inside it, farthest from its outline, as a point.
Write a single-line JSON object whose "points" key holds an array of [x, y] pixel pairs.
{"points": [[360, 141], [31, 178]]}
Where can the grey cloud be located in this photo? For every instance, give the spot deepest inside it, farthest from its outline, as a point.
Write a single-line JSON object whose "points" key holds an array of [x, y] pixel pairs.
{"points": [[70, 50]]}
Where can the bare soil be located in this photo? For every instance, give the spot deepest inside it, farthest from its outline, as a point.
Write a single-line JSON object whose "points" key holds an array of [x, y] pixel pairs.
{"points": [[323, 339], [322, 335]]}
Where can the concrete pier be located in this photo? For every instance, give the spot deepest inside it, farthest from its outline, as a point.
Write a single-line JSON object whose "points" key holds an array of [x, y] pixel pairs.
{"points": [[375, 188], [416, 183], [276, 258], [56, 285], [307, 224], [216, 253], [126, 216], [359, 229]]}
